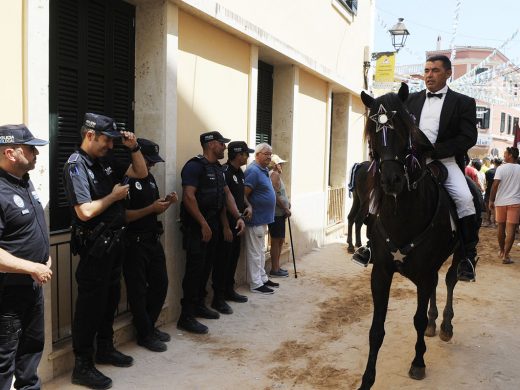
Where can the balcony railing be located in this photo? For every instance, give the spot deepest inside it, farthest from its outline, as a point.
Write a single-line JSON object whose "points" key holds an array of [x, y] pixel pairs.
{"points": [[336, 208]]}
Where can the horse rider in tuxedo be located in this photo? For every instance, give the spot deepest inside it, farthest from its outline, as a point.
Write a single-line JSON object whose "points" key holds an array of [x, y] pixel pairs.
{"points": [[448, 119]]}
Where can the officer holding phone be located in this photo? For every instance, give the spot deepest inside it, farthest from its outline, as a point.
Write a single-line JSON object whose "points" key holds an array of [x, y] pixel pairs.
{"points": [[93, 186], [145, 263]]}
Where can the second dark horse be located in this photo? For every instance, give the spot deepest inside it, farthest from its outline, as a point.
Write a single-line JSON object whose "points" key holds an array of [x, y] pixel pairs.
{"points": [[358, 186], [412, 231]]}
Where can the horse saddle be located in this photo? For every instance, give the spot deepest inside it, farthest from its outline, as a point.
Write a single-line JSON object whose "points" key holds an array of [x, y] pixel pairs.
{"points": [[438, 171]]}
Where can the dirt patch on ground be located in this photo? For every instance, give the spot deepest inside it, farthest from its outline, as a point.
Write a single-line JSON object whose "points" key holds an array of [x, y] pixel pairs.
{"points": [[313, 334]]}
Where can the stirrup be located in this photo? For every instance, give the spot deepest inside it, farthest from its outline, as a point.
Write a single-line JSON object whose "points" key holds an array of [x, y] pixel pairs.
{"points": [[362, 263]]}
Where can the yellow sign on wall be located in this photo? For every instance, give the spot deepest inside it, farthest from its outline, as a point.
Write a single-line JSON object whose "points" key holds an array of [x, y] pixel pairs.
{"points": [[385, 67]]}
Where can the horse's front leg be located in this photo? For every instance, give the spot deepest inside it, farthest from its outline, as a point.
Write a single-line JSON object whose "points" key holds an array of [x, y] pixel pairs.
{"points": [[381, 281], [358, 225], [446, 332], [433, 313], [420, 321]]}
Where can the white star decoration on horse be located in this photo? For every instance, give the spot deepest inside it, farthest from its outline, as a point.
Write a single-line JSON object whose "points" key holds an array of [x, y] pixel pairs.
{"points": [[383, 118], [398, 256]]}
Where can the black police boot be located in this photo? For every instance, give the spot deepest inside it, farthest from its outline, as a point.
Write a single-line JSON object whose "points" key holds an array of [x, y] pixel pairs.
{"points": [[107, 354], [152, 343], [86, 374], [232, 295], [469, 236], [163, 336], [204, 312], [188, 323], [362, 255], [220, 305]]}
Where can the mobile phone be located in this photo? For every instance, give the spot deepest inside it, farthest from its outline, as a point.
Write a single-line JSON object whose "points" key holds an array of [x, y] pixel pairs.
{"points": [[125, 180], [168, 198]]}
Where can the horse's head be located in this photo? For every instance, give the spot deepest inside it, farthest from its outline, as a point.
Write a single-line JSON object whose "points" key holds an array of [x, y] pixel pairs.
{"points": [[395, 142]]}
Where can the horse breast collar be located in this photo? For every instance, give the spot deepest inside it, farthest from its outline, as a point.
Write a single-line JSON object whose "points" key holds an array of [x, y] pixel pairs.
{"points": [[399, 254]]}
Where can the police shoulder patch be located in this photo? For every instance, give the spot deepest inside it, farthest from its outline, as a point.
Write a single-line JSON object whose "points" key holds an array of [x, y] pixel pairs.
{"points": [[73, 158]]}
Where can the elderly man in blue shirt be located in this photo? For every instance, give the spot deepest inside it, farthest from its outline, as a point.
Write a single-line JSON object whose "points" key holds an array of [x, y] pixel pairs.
{"points": [[260, 194]]}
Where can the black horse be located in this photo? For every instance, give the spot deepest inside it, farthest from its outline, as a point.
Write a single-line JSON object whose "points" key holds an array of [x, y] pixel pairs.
{"points": [[358, 186], [413, 232]]}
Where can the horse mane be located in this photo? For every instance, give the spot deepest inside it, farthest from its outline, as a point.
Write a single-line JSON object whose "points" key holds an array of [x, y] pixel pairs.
{"points": [[404, 127]]}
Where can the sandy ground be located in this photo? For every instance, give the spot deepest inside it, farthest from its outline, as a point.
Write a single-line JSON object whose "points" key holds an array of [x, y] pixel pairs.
{"points": [[313, 334]]}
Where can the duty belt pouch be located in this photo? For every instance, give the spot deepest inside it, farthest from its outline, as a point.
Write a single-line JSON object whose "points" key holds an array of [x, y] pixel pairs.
{"points": [[99, 240]]}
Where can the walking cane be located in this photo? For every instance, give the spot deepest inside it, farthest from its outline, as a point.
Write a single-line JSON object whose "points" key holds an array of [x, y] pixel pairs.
{"points": [[292, 248]]}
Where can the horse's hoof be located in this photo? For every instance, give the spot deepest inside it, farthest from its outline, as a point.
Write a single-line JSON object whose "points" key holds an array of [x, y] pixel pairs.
{"points": [[445, 336], [431, 330], [351, 249], [417, 373]]}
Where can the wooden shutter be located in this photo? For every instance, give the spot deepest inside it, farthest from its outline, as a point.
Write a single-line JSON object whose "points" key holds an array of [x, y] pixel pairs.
{"points": [[264, 110], [92, 45]]}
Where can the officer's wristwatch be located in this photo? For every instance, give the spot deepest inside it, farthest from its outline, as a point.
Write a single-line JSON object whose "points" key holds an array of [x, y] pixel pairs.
{"points": [[136, 148]]}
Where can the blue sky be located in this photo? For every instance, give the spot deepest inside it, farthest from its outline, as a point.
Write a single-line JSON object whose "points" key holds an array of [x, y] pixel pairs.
{"points": [[481, 23]]}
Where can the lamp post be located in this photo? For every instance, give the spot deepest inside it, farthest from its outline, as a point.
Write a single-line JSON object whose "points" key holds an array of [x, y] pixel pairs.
{"points": [[399, 34]]}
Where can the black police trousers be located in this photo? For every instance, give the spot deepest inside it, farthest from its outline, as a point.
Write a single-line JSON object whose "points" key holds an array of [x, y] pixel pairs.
{"points": [[99, 291], [146, 281], [200, 257], [22, 336], [224, 269]]}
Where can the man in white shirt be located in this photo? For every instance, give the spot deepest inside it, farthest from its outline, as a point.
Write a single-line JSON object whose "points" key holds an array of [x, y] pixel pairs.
{"points": [[505, 199]]}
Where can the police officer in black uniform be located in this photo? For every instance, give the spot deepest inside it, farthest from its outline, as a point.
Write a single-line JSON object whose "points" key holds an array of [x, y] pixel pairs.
{"points": [[229, 247], [23, 239], [145, 264], [204, 201], [94, 184]]}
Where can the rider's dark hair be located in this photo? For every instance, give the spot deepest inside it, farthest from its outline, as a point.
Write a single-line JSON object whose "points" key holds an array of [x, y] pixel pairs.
{"points": [[446, 63]]}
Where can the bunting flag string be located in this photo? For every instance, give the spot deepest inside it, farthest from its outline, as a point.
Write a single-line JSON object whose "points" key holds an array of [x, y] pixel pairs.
{"points": [[455, 28]]}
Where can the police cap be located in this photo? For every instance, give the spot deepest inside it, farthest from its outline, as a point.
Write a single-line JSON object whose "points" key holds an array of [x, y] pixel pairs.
{"points": [[19, 135], [212, 136], [102, 124], [239, 147], [150, 150]]}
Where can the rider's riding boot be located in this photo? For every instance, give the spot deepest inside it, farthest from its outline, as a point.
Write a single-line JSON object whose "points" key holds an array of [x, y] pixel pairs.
{"points": [[469, 237], [363, 254]]}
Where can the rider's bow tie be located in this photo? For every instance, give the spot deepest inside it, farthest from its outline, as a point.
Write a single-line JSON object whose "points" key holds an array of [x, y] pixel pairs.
{"points": [[438, 95]]}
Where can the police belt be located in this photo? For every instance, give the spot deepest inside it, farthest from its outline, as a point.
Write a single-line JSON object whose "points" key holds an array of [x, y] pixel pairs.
{"points": [[104, 238], [143, 237]]}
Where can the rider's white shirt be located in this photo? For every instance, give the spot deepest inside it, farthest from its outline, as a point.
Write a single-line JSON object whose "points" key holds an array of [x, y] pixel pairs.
{"points": [[431, 115]]}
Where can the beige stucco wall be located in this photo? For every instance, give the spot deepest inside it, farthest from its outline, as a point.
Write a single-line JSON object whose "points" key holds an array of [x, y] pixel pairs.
{"points": [[309, 142], [11, 66], [313, 23], [309, 162], [212, 84]]}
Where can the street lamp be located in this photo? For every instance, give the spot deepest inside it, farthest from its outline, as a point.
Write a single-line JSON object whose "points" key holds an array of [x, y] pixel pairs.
{"points": [[399, 34]]}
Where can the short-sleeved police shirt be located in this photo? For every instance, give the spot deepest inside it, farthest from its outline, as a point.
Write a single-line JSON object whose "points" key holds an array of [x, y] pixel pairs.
{"points": [[143, 192], [88, 179], [235, 182], [23, 230]]}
